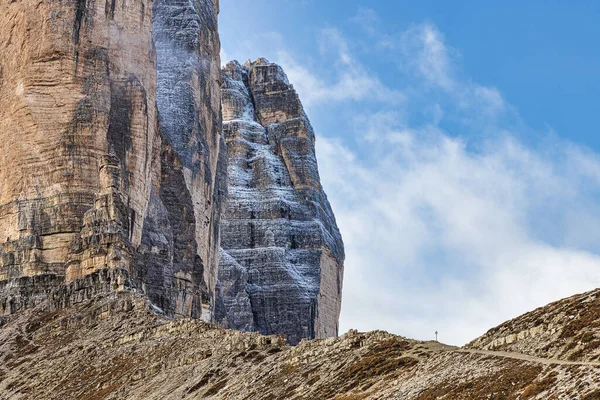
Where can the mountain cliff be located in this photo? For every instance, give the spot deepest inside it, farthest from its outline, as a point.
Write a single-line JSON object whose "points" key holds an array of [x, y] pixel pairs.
{"points": [[78, 135], [115, 157], [110, 127], [282, 255], [178, 259]]}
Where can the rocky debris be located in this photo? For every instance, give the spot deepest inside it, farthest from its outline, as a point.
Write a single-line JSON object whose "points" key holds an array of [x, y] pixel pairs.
{"points": [[111, 149], [567, 329], [115, 346], [282, 254]]}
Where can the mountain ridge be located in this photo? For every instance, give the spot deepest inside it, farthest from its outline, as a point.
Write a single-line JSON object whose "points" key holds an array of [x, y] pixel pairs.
{"points": [[116, 344]]}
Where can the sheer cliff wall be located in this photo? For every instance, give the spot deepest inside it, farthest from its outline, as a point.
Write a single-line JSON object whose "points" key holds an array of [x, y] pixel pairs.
{"points": [[94, 175], [180, 245], [78, 134], [114, 156], [282, 254]]}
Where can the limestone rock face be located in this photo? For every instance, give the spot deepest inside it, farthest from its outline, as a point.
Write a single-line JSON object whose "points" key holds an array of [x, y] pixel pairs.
{"points": [[94, 173], [180, 242], [77, 125], [51, 293], [282, 255]]}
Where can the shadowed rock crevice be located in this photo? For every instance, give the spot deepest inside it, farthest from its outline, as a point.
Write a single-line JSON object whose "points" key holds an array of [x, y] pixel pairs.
{"points": [[188, 102], [168, 265]]}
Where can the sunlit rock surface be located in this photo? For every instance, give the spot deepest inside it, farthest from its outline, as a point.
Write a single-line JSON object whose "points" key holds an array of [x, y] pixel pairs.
{"points": [[282, 255], [101, 166]]}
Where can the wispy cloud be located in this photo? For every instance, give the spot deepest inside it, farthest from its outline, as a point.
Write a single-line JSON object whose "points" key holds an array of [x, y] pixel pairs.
{"points": [[344, 78], [224, 56], [424, 52], [440, 237], [450, 232], [350, 80], [367, 19], [424, 48]]}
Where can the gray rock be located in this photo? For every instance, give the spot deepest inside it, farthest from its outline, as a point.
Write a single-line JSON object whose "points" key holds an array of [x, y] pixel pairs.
{"points": [[54, 293], [282, 254]]}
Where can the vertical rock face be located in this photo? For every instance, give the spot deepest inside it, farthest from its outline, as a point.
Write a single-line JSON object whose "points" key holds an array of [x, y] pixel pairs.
{"points": [[180, 243], [93, 175], [282, 255], [77, 134], [113, 158]]}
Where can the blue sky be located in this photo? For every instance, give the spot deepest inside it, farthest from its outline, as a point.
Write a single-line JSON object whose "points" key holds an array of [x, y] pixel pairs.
{"points": [[458, 145]]}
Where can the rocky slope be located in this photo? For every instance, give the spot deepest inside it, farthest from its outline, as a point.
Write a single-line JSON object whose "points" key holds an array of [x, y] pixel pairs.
{"points": [[114, 346], [567, 329], [110, 135], [282, 255]]}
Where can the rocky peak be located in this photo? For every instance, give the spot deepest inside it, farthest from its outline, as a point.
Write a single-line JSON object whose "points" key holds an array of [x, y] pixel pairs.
{"points": [[282, 254], [111, 122]]}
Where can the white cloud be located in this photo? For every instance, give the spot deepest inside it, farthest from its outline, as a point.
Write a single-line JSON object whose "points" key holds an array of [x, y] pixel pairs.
{"points": [[350, 81], [224, 57], [443, 233], [342, 77], [439, 237], [367, 19], [423, 47], [425, 53]]}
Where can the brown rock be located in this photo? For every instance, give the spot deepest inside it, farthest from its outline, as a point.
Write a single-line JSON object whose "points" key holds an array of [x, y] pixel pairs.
{"points": [[91, 177], [71, 98], [567, 329]]}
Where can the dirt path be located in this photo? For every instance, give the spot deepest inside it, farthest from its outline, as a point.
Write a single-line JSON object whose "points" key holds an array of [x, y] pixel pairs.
{"points": [[525, 357]]}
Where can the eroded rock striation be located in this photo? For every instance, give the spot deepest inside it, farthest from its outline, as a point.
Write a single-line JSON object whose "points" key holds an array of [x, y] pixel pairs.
{"points": [[78, 134], [114, 157], [282, 255], [102, 165]]}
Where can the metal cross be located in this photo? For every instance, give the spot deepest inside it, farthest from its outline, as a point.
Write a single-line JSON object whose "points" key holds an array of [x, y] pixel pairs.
{"points": [[436, 335]]}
